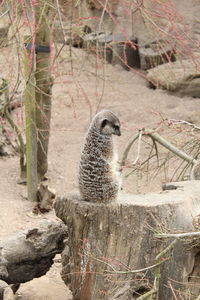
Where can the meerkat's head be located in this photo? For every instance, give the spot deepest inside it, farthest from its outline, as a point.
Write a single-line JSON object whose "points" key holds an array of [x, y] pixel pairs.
{"points": [[107, 123]]}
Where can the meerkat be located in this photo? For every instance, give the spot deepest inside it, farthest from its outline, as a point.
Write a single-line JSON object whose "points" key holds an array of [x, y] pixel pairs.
{"points": [[99, 176]]}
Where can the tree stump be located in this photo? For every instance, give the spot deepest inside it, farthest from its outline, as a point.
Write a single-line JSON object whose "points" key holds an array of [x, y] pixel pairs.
{"points": [[108, 242]]}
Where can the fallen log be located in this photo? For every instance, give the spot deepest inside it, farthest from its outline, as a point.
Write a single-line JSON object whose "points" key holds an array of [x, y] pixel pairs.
{"points": [[30, 254], [113, 252]]}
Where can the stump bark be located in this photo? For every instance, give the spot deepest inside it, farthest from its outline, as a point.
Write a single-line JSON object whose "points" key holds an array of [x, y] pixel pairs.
{"points": [[107, 243]]}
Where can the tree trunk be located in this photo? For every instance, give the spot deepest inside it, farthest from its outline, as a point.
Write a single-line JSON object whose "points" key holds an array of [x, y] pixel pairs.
{"points": [[108, 242], [43, 83], [30, 116]]}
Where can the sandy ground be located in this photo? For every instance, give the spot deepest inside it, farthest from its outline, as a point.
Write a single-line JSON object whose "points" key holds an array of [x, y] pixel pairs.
{"points": [[75, 99]]}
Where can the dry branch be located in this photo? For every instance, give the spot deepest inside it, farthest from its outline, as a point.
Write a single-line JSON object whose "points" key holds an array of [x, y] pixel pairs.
{"points": [[157, 138], [147, 295], [170, 147], [177, 235], [166, 250], [15, 128]]}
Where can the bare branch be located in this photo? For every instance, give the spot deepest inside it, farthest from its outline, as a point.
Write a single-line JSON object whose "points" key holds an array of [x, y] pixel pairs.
{"points": [[137, 271], [128, 148], [170, 285], [169, 247], [128, 271], [184, 123], [138, 148], [171, 147], [177, 235], [146, 295]]}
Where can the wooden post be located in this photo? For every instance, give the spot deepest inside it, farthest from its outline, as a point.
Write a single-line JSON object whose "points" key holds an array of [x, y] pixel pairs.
{"points": [[30, 117], [43, 83]]}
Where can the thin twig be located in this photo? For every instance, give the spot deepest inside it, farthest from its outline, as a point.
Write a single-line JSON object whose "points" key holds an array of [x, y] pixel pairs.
{"points": [[11, 122], [123, 272], [142, 164], [138, 148], [177, 235], [61, 22], [102, 15], [172, 290], [146, 295], [184, 123], [128, 148], [3, 14], [135, 271], [130, 271], [169, 247]]}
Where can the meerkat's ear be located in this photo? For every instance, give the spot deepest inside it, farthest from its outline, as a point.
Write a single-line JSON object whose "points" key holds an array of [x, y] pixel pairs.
{"points": [[104, 123]]}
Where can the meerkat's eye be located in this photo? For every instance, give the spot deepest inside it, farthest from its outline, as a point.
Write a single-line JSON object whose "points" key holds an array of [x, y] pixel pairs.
{"points": [[116, 127], [104, 123]]}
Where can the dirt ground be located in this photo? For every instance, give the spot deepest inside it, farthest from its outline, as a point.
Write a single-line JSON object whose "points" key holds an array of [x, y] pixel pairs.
{"points": [[78, 87]]}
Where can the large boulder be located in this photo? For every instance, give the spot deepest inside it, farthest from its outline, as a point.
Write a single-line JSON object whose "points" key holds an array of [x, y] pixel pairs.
{"points": [[182, 77], [28, 255]]}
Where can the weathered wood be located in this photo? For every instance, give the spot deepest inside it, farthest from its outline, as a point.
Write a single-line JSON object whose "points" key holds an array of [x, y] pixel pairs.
{"points": [[108, 242], [43, 79], [30, 254], [30, 116]]}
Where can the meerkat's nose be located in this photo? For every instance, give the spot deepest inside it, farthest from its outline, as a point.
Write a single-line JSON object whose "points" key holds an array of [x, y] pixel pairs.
{"points": [[118, 132]]}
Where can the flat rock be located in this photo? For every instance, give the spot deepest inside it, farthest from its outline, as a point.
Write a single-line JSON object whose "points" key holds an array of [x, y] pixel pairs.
{"points": [[181, 77]]}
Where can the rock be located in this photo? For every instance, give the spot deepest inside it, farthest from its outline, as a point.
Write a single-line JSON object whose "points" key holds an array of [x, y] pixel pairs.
{"points": [[108, 242], [30, 254], [6, 292], [71, 36], [99, 42], [156, 53], [181, 77], [125, 51], [45, 198], [115, 48]]}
